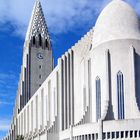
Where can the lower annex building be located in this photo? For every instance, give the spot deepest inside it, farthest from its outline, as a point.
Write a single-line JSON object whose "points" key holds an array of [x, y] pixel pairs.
{"points": [[94, 91]]}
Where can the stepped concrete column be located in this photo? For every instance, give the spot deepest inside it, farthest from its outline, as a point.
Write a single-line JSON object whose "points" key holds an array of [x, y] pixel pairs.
{"points": [[100, 131], [71, 132]]}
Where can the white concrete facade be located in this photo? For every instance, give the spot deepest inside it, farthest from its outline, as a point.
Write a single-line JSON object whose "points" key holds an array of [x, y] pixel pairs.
{"points": [[93, 93]]}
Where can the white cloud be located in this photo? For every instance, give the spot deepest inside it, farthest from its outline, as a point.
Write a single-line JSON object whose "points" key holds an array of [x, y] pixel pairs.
{"points": [[4, 76], [7, 88], [4, 124], [3, 8], [61, 15], [69, 14], [7, 78], [5, 103]]}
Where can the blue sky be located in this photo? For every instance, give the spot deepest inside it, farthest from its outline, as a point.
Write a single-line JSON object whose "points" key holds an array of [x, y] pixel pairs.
{"points": [[68, 21]]}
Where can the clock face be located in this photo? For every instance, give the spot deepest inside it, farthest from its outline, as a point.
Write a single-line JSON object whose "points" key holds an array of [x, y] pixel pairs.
{"points": [[39, 55]]}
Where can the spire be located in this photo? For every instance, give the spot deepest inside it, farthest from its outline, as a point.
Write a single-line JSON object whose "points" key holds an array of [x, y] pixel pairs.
{"points": [[37, 23]]}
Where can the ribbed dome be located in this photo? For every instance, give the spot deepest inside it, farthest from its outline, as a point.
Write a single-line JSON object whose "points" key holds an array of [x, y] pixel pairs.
{"points": [[117, 21]]}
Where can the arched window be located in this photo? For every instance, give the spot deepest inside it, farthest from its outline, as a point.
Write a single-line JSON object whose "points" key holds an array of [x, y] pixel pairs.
{"points": [[120, 94], [40, 41], [98, 98]]}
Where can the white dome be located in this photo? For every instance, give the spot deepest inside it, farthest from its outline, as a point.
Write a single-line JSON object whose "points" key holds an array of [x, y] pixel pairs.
{"points": [[118, 20]]}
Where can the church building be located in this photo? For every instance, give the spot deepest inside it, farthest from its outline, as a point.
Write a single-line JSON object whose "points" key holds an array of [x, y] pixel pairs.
{"points": [[93, 93]]}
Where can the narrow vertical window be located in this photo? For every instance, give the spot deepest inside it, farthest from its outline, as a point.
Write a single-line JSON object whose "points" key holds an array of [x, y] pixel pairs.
{"points": [[40, 66], [120, 94], [33, 40], [46, 43], [98, 98], [40, 76], [40, 41]]}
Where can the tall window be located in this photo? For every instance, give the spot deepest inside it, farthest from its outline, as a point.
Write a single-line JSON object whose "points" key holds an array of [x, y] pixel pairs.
{"points": [[98, 98], [120, 94], [46, 42], [40, 40], [33, 40]]}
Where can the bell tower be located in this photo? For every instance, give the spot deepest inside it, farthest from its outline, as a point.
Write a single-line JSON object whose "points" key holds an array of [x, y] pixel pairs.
{"points": [[37, 56]]}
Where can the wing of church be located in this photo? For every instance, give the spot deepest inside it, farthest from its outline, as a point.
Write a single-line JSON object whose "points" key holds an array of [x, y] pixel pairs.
{"points": [[94, 91]]}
